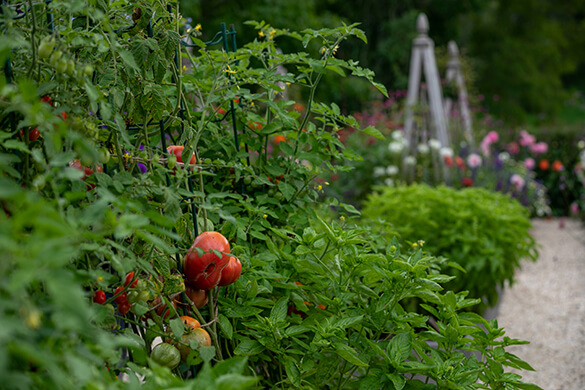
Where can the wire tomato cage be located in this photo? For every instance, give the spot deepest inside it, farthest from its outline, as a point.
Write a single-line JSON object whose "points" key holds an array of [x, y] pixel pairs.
{"points": [[226, 38]]}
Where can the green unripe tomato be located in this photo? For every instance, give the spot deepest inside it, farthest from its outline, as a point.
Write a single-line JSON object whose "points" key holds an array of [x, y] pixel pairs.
{"points": [[55, 57], [70, 68], [271, 192], [155, 159], [144, 295], [133, 296], [172, 161], [46, 47], [61, 66], [247, 180], [104, 155], [88, 70], [166, 355]]}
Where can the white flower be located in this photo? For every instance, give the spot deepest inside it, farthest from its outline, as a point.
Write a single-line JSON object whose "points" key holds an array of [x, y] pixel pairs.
{"points": [[581, 144], [423, 148], [446, 152], [389, 182], [396, 147], [409, 160], [392, 170], [504, 156], [379, 171], [397, 135], [435, 144]]}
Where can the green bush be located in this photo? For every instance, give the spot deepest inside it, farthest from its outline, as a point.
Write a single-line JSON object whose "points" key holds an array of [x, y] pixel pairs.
{"points": [[484, 234]]}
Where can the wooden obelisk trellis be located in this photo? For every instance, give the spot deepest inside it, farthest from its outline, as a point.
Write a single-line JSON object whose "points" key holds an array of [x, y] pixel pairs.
{"points": [[454, 75], [423, 60]]}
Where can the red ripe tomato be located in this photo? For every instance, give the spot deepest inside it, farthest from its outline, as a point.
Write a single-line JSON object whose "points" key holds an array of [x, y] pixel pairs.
{"points": [[231, 272], [178, 151], [129, 278], [122, 297], [190, 322], [34, 134], [75, 163], [99, 297], [197, 296], [124, 307], [203, 272]]}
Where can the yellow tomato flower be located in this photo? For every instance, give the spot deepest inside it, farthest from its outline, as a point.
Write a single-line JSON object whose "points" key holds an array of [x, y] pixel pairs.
{"points": [[198, 27]]}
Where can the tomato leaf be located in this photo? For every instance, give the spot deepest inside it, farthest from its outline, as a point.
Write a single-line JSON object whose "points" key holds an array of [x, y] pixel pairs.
{"points": [[177, 327], [225, 326], [207, 353]]}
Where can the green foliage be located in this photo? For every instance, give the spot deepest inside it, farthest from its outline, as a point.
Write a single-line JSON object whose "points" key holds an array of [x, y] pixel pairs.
{"points": [[97, 195], [484, 234]]}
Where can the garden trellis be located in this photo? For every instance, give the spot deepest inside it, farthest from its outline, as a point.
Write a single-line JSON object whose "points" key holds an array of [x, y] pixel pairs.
{"points": [[455, 79], [423, 60]]}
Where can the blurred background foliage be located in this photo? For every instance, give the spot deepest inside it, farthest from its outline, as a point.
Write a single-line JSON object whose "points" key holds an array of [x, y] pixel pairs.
{"points": [[527, 55]]}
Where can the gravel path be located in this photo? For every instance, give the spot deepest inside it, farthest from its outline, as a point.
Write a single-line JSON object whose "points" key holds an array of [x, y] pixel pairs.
{"points": [[546, 306]]}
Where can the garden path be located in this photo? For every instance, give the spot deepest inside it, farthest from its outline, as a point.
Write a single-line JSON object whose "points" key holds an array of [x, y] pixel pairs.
{"points": [[546, 306]]}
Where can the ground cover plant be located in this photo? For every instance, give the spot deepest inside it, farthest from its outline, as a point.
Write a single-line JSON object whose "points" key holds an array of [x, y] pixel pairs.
{"points": [[160, 224], [483, 234]]}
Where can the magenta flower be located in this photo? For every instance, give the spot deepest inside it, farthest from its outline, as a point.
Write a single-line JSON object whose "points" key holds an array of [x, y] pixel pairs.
{"points": [[493, 136], [529, 163]]}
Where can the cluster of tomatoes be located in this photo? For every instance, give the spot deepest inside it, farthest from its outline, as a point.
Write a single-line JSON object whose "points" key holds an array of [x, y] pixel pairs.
{"points": [[208, 263], [170, 353], [34, 134], [125, 295]]}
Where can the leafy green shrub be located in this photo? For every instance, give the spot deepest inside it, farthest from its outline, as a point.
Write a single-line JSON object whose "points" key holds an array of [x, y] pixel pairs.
{"points": [[486, 234]]}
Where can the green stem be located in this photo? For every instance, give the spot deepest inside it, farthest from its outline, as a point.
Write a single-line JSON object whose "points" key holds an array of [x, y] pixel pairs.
{"points": [[212, 306]]}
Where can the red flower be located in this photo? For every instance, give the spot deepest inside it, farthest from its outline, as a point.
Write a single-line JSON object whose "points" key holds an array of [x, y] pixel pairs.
{"points": [[466, 182], [448, 161], [543, 164], [460, 162], [557, 166]]}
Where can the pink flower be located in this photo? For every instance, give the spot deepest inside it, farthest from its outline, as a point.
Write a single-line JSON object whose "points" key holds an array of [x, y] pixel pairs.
{"points": [[526, 139], [474, 160], [574, 208], [539, 148], [517, 181], [485, 147], [529, 163]]}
